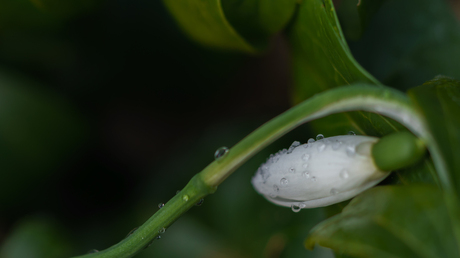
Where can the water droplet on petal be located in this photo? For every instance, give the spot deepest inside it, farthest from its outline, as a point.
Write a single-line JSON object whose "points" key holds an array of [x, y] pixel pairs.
{"points": [[185, 198], [351, 133], [161, 205], [293, 146], [292, 170], [220, 153], [162, 230], [131, 232], [302, 205], [350, 151], [321, 147], [334, 191], [344, 174], [199, 202], [305, 165], [276, 188], [311, 140], [319, 137], [336, 145], [306, 174], [295, 208], [284, 181], [305, 157], [92, 251]]}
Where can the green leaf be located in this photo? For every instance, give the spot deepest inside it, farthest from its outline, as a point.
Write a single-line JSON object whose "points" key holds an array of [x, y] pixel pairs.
{"points": [[439, 101], [233, 25], [258, 20], [356, 16], [320, 53], [37, 237], [391, 221], [410, 42]]}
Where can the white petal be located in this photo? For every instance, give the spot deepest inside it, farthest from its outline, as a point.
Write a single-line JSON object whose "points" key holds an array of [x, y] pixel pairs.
{"points": [[320, 173]]}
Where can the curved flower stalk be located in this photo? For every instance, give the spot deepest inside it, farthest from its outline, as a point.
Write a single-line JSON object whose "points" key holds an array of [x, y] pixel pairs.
{"points": [[364, 97], [319, 173]]}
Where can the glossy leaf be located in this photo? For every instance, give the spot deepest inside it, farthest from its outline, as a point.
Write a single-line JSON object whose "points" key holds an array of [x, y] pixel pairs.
{"points": [[391, 221], [320, 53], [439, 101], [232, 25]]}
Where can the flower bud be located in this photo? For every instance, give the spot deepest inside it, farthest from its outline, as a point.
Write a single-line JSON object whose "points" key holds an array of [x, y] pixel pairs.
{"points": [[319, 173]]}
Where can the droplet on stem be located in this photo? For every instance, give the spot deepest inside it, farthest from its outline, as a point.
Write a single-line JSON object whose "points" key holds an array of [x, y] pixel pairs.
{"points": [[351, 133], [220, 153], [161, 205], [185, 198], [200, 202], [131, 232]]}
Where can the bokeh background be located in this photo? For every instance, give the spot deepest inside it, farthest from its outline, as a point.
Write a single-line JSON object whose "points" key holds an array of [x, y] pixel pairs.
{"points": [[107, 109]]}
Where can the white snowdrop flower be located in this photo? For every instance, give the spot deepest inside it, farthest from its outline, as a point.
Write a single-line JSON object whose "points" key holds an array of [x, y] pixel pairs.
{"points": [[319, 173]]}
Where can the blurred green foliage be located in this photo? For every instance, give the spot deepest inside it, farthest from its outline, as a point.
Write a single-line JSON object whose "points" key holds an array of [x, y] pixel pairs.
{"points": [[107, 108]]}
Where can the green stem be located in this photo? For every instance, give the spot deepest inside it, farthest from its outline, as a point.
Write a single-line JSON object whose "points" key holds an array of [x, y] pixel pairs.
{"points": [[380, 100]]}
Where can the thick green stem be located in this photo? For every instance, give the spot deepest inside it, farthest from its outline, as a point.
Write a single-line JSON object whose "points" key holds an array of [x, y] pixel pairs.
{"points": [[380, 100]]}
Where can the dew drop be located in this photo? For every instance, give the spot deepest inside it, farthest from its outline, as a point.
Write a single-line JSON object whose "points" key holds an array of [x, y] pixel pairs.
{"points": [[199, 202], [92, 251], [161, 205], [319, 137], [305, 157], [220, 153], [284, 181], [292, 169], [158, 237], [131, 232], [276, 188], [344, 174], [321, 147], [313, 178], [292, 147], [162, 230], [295, 208], [305, 165], [336, 145], [334, 191], [350, 151], [351, 133], [302, 205], [306, 174], [311, 140], [185, 198]]}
